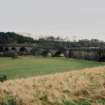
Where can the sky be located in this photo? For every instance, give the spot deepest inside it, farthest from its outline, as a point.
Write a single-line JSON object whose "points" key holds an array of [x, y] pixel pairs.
{"points": [[66, 18]]}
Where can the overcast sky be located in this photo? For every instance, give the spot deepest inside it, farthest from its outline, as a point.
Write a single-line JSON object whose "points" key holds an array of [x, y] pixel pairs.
{"points": [[63, 17]]}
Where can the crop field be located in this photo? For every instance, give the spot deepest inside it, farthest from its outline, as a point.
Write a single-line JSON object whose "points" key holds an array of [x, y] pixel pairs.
{"points": [[31, 66], [83, 87]]}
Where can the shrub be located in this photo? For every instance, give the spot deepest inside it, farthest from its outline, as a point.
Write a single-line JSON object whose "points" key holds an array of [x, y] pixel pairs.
{"points": [[3, 78], [44, 53], [12, 54]]}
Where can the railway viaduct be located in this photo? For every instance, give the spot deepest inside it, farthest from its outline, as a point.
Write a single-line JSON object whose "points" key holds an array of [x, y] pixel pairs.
{"points": [[26, 49], [18, 48], [87, 53]]}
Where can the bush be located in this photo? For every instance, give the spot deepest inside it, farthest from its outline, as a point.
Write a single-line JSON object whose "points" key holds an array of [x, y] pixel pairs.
{"points": [[3, 78], [34, 51], [44, 53], [12, 54]]}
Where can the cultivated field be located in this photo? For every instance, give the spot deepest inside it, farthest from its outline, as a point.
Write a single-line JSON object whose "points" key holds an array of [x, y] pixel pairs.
{"points": [[30, 66], [83, 87]]}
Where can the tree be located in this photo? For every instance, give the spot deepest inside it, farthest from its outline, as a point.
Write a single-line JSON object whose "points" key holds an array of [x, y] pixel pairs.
{"points": [[11, 37]]}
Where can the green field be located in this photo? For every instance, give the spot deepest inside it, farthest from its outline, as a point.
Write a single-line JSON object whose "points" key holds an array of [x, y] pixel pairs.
{"points": [[30, 66]]}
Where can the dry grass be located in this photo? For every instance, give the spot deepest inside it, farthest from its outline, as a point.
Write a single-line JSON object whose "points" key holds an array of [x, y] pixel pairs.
{"points": [[88, 84]]}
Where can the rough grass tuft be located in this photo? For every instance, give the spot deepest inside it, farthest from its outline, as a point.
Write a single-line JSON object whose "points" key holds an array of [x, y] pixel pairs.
{"points": [[8, 100], [84, 87]]}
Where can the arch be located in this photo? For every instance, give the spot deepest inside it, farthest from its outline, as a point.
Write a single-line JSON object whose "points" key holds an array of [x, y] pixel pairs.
{"points": [[1, 49], [6, 49], [23, 51], [55, 53], [13, 49]]}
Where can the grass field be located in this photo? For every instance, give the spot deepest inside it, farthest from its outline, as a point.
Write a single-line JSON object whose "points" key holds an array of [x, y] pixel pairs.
{"points": [[30, 66]]}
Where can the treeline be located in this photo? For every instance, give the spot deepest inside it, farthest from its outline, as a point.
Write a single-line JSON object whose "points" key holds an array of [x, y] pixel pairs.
{"points": [[11, 37], [56, 41], [87, 43]]}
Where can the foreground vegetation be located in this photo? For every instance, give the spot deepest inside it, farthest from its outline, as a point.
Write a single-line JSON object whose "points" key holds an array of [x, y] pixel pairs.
{"points": [[84, 87], [30, 66]]}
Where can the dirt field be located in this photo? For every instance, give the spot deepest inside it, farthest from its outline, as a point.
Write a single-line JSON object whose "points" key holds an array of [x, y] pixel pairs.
{"points": [[58, 89]]}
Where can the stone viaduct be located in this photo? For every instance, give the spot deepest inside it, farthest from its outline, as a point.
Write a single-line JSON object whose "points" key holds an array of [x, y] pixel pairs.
{"points": [[87, 53], [26, 49], [19, 48]]}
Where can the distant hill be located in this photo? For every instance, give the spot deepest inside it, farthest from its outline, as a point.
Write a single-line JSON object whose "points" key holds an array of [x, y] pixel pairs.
{"points": [[12, 37]]}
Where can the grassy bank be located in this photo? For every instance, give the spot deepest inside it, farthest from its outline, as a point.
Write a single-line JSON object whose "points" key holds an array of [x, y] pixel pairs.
{"points": [[84, 87]]}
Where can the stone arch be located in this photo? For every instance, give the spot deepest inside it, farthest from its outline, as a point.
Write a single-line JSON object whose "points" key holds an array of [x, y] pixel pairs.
{"points": [[23, 51], [6, 49], [13, 49], [55, 53], [1, 49]]}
